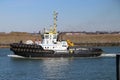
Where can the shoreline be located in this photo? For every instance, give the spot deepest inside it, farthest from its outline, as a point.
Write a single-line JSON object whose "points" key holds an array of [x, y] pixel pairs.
{"points": [[79, 44], [79, 39]]}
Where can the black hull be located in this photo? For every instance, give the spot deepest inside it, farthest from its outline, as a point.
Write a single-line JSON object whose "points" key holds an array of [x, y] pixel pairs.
{"points": [[29, 55], [26, 50]]}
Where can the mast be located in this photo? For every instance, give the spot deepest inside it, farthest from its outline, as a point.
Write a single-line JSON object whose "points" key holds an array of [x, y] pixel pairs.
{"points": [[55, 22]]}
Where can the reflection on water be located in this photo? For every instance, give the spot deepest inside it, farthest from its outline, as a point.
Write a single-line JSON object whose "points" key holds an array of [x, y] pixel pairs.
{"points": [[56, 67]]}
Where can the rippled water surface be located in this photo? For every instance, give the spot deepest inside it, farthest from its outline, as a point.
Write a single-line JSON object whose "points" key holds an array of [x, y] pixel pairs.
{"points": [[101, 68]]}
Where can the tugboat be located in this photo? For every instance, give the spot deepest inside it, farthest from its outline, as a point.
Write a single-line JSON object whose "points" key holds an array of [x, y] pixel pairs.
{"points": [[52, 47]]}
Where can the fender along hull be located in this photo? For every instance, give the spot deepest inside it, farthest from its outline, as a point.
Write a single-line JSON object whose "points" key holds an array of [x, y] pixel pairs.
{"points": [[27, 50]]}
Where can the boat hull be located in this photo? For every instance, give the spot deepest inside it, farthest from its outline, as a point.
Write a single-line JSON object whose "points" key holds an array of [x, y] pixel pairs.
{"points": [[26, 50]]}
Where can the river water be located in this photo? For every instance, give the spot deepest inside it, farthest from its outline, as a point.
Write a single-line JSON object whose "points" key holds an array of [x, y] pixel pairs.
{"points": [[100, 68]]}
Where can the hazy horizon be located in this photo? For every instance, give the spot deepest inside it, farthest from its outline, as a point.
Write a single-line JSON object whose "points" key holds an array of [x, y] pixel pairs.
{"points": [[73, 15]]}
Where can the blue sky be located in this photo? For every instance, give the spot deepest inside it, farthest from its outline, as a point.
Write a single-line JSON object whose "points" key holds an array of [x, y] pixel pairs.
{"points": [[73, 15]]}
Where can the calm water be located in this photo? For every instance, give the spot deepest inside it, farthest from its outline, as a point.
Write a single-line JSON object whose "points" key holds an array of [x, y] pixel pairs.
{"points": [[102, 68]]}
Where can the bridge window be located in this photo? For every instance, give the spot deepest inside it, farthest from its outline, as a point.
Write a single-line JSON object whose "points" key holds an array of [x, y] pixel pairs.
{"points": [[46, 36], [54, 36]]}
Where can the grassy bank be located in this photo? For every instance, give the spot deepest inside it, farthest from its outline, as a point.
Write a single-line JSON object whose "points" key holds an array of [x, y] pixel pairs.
{"points": [[93, 38], [81, 39], [14, 37]]}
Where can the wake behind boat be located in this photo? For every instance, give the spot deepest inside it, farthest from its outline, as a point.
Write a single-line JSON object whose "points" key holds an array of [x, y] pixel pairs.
{"points": [[51, 47]]}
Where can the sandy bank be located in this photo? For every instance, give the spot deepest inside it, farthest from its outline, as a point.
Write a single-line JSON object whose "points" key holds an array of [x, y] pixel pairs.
{"points": [[79, 39]]}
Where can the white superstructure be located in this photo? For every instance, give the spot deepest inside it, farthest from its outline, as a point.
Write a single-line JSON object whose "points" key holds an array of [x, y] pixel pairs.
{"points": [[50, 42], [50, 38]]}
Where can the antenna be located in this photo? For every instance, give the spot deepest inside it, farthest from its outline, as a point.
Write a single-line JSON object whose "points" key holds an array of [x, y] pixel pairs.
{"points": [[55, 22]]}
